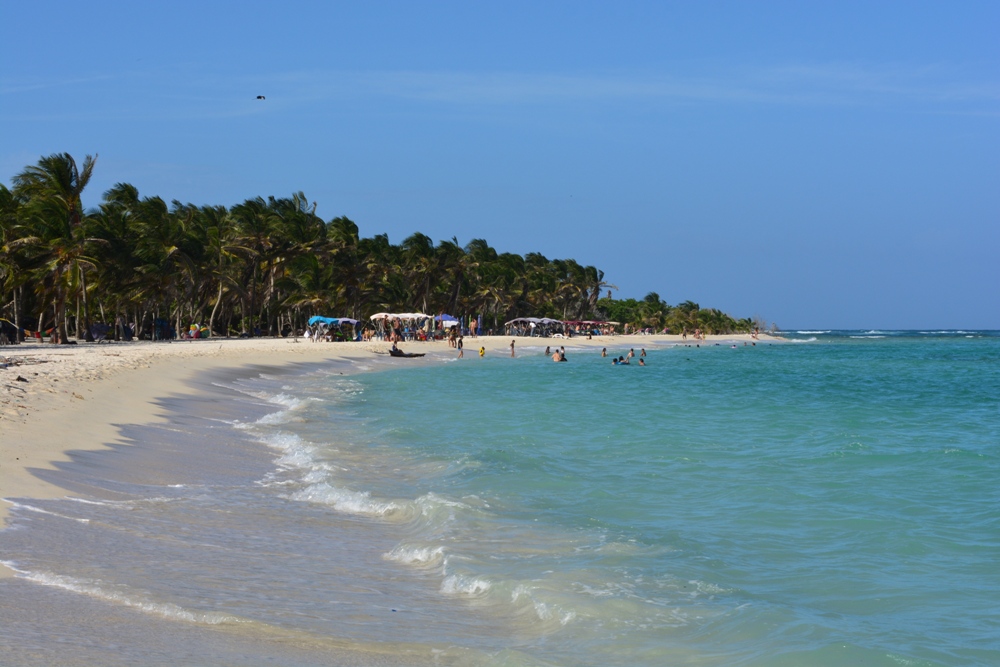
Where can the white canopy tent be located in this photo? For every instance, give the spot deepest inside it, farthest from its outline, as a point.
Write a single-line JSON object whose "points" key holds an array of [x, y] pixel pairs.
{"points": [[384, 322], [533, 326]]}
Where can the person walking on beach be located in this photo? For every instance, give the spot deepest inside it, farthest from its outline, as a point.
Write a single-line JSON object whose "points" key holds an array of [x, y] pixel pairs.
{"points": [[511, 348], [461, 351]]}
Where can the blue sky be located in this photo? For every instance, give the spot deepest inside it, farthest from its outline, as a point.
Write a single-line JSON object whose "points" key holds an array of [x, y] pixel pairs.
{"points": [[814, 164]]}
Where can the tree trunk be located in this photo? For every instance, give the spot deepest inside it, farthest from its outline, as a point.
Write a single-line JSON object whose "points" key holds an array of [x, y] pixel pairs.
{"points": [[215, 309], [88, 336], [55, 336], [17, 315], [61, 316], [272, 324]]}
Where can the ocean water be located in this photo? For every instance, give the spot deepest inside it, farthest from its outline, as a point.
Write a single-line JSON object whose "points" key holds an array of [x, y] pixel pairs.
{"points": [[831, 500]]}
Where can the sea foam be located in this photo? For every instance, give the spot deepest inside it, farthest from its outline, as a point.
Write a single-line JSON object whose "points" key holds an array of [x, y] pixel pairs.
{"points": [[120, 595]]}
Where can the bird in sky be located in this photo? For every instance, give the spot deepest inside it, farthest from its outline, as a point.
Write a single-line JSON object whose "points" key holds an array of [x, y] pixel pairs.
{"points": [[260, 97]]}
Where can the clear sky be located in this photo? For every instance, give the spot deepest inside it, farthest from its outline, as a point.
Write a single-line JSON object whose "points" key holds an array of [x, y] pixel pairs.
{"points": [[816, 164]]}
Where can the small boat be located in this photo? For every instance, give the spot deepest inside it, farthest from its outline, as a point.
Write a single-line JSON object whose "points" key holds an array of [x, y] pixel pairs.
{"points": [[404, 355]]}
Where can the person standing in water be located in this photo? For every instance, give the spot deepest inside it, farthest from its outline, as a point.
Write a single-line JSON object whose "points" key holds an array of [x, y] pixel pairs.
{"points": [[511, 348], [461, 351], [604, 351], [482, 352]]}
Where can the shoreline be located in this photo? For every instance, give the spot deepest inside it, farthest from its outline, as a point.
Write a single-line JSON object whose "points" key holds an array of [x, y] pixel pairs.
{"points": [[77, 396]]}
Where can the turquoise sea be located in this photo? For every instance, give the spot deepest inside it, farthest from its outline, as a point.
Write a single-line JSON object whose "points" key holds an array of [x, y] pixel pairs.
{"points": [[829, 500]]}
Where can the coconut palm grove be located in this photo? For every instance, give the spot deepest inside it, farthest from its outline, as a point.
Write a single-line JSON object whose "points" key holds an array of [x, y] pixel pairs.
{"points": [[264, 266]]}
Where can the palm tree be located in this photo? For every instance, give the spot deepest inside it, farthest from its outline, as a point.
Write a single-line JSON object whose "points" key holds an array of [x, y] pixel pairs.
{"points": [[252, 243], [653, 311], [420, 266], [351, 271], [595, 284], [52, 190], [269, 262], [13, 273], [452, 265]]}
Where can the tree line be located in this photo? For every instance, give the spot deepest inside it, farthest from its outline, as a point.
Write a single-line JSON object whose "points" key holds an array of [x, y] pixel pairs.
{"points": [[267, 265]]}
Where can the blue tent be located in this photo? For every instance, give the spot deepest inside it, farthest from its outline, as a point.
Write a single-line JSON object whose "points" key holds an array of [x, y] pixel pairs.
{"points": [[445, 318], [329, 321]]}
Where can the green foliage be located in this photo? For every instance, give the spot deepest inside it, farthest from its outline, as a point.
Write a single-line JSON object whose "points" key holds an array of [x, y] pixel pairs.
{"points": [[268, 264]]}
